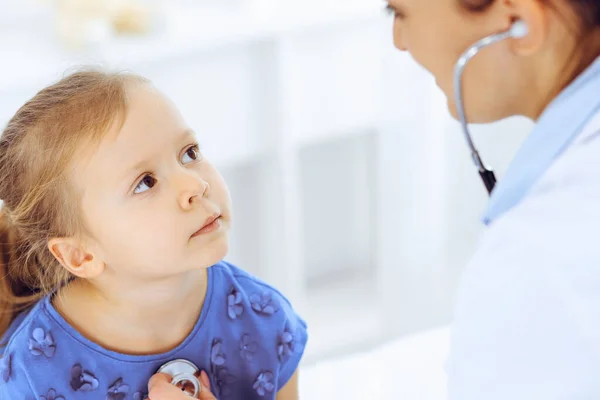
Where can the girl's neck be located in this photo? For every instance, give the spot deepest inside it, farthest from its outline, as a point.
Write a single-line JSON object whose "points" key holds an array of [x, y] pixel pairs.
{"points": [[135, 318]]}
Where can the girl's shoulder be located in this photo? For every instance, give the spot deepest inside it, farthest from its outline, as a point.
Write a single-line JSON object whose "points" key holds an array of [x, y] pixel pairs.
{"points": [[234, 276], [255, 329], [20, 330], [29, 339], [248, 296]]}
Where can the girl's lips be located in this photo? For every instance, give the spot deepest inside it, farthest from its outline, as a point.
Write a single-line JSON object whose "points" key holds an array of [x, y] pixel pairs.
{"points": [[211, 224]]}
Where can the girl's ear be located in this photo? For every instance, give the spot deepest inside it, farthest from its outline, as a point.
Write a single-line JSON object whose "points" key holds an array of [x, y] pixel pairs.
{"points": [[72, 255]]}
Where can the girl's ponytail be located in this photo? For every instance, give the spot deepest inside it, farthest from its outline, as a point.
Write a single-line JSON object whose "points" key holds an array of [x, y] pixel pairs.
{"points": [[15, 295]]}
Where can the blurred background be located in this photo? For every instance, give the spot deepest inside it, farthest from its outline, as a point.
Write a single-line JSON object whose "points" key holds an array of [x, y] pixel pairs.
{"points": [[353, 189]]}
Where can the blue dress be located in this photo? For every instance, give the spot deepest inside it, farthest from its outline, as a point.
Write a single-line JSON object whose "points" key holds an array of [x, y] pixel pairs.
{"points": [[248, 338]]}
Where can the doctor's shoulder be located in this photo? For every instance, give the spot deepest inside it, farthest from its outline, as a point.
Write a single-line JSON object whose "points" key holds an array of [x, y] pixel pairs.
{"points": [[574, 178]]}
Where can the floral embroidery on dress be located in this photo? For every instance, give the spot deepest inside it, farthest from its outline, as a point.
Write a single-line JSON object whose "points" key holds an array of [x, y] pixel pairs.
{"points": [[42, 343], [264, 303], [223, 381], [217, 357], [139, 396], [222, 378], [264, 383], [5, 367], [118, 390], [235, 307], [247, 348], [82, 380], [285, 344], [51, 395]]}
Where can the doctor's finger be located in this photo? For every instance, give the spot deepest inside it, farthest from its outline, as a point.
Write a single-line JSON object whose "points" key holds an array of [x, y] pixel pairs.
{"points": [[205, 394], [160, 388], [158, 380]]}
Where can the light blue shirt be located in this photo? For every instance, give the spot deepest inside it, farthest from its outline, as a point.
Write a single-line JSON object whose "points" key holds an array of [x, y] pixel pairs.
{"points": [[555, 130]]}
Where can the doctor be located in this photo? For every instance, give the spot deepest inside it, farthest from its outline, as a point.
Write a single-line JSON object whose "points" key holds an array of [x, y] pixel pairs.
{"points": [[527, 322]]}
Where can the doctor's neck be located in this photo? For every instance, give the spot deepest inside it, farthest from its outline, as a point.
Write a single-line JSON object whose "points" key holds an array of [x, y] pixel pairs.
{"points": [[563, 40]]}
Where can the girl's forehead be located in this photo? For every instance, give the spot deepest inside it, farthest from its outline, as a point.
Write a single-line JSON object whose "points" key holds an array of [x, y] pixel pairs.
{"points": [[151, 126]]}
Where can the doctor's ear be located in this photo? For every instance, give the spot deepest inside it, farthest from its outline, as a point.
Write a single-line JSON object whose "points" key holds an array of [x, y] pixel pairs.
{"points": [[72, 254], [530, 20]]}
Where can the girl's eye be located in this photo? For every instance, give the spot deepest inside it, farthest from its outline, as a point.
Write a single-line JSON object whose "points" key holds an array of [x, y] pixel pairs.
{"points": [[147, 183], [191, 154]]}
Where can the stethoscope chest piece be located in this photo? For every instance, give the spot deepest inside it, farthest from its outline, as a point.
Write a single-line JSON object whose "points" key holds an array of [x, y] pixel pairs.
{"points": [[185, 376]]}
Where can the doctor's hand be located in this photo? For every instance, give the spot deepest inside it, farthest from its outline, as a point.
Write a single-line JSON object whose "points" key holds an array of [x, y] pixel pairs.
{"points": [[160, 388]]}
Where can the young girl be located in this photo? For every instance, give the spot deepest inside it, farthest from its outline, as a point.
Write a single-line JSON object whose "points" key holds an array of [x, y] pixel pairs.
{"points": [[112, 231]]}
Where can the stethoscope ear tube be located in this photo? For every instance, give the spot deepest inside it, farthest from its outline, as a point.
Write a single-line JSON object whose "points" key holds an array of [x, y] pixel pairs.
{"points": [[518, 30]]}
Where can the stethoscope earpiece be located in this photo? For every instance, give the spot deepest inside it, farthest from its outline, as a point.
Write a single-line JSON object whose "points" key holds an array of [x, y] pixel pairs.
{"points": [[519, 29]]}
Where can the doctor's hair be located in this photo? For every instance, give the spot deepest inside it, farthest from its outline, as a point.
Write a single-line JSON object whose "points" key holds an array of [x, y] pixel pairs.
{"points": [[37, 149], [587, 13]]}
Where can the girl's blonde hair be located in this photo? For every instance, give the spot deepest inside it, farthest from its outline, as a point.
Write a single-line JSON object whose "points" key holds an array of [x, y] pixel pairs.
{"points": [[36, 150]]}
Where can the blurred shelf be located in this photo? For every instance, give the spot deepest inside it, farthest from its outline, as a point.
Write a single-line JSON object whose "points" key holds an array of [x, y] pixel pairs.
{"points": [[33, 57], [326, 137]]}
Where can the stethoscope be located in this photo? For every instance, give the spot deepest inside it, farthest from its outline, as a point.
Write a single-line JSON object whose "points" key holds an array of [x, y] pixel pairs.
{"points": [[184, 376], [517, 30]]}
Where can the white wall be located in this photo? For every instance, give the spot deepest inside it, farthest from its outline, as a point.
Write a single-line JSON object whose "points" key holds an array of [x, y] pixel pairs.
{"points": [[337, 181]]}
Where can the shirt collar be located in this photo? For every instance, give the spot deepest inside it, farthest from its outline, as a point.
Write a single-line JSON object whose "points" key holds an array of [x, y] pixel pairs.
{"points": [[557, 127]]}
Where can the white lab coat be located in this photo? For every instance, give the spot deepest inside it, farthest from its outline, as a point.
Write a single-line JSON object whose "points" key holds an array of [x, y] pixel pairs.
{"points": [[527, 321]]}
